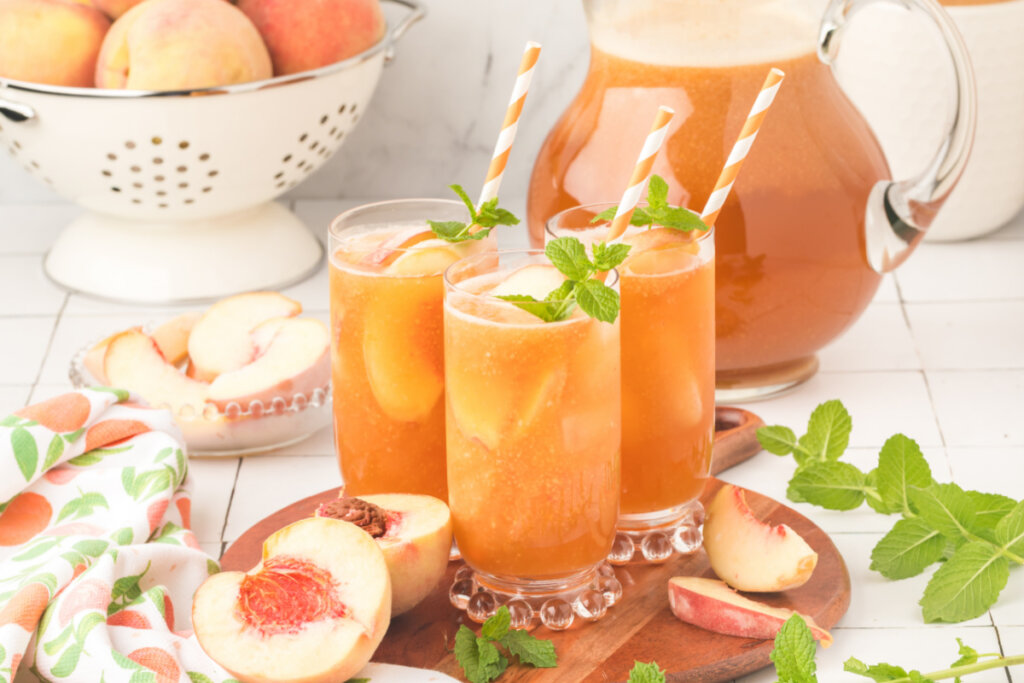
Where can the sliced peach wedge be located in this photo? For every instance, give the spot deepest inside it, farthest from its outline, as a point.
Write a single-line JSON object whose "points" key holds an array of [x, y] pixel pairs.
{"points": [[294, 359], [413, 531], [133, 361], [221, 341], [313, 611], [713, 606], [172, 336], [394, 246], [751, 555], [536, 280]]}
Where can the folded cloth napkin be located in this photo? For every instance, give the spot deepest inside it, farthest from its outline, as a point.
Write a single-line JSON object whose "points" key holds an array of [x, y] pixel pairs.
{"points": [[97, 562]]}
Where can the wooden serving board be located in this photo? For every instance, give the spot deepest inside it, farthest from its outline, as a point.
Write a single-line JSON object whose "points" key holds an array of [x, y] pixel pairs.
{"points": [[641, 626]]}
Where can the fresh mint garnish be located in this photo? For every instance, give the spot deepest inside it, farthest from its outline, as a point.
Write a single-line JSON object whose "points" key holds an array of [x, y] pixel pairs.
{"points": [[483, 661], [793, 654], [975, 536], [597, 299], [486, 217], [658, 211], [646, 672]]}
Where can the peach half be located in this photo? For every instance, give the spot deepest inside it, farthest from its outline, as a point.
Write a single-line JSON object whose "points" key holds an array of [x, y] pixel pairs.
{"points": [[313, 611], [713, 606], [413, 531], [751, 555]]}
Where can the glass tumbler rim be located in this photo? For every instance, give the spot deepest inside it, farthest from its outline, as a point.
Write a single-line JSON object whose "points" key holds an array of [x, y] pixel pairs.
{"points": [[336, 228], [550, 225]]}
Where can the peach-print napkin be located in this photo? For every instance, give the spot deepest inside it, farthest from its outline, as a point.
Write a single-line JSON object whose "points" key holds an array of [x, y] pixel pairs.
{"points": [[97, 562]]}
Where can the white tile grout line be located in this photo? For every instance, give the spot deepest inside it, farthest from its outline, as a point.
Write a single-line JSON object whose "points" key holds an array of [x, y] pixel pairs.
{"points": [[49, 346], [227, 510]]}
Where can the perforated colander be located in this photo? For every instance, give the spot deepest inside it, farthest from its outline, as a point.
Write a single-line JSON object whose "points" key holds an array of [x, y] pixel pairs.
{"points": [[178, 185]]}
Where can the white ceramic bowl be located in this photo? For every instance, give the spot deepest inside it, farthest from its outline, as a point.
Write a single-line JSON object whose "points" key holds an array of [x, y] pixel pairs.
{"points": [[178, 185]]}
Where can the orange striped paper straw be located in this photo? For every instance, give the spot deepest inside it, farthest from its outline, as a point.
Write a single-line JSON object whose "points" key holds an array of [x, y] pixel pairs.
{"points": [[641, 172], [508, 129], [742, 147]]}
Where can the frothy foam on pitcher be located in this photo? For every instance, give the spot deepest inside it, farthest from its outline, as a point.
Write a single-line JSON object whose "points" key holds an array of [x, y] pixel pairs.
{"points": [[704, 32]]}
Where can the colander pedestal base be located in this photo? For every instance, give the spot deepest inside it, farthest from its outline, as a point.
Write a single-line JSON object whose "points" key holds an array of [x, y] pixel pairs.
{"points": [[266, 247]]}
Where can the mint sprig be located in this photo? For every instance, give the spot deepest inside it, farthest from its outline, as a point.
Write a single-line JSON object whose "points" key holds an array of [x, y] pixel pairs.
{"points": [[483, 661], [976, 536], [658, 211], [646, 672], [581, 287], [486, 217]]}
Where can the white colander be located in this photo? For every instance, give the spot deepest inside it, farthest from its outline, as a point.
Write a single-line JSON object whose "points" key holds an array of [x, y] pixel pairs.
{"points": [[178, 186]]}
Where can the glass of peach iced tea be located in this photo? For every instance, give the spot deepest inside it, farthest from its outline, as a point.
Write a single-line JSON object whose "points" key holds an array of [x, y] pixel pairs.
{"points": [[668, 380], [387, 359], [532, 393]]}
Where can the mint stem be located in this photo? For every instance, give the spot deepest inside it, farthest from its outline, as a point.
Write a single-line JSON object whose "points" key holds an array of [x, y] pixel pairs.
{"points": [[958, 671]]}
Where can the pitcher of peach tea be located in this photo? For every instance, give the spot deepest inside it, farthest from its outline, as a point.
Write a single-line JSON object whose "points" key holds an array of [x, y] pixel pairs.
{"points": [[813, 220]]}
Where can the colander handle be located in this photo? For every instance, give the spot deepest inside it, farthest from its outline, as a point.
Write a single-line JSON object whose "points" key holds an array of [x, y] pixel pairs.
{"points": [[416, 12], [17, 112]]}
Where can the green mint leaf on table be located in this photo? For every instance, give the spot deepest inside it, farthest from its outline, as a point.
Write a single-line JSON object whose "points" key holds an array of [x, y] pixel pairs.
{"points": [[530, 650], [487, 217], [968, 655], [967, 584], [831, 485], [901, 466], [569, 256], [598, 300], [828, 431], [497, 625], [989, 510], [777, 439], [907, 550], [876, 672], [946, 508], [480, 659], [648, 672], [1009, 531], [793, 654]]}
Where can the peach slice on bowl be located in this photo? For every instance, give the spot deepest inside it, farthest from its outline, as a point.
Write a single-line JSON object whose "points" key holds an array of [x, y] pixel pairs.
{"points": [[294, 359], [313, 611], [172, 336], [221, 341], [712, 605], [413, 531], [133, 361], [751, 555]]}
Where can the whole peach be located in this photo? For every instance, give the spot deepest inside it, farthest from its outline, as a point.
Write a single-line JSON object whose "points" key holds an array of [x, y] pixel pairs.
{"points": [[50, 41], [114, 8], [308, 34], [180, 45]]}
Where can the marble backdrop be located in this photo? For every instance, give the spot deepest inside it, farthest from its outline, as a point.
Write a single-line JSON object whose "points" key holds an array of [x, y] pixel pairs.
{"points": [[439, 105]]}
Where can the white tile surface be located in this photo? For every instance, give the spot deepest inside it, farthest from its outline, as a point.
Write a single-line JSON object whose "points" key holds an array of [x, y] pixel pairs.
{"points": [[887, 292], [972, 335], [879, 340], [24, 342], [982, 270], [265, 484], [1013, 644], [880, 403], [213, 481], [925, 649], [979, 408], [75, 332], [24, 290]]}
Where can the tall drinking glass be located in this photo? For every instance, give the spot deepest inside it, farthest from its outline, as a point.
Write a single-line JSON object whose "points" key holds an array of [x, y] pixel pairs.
{"points": [[387, 359], [667, 287], [533, 447]]}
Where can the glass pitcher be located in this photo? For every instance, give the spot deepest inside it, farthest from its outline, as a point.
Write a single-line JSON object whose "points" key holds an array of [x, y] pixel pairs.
{"points": [[813, 220]]}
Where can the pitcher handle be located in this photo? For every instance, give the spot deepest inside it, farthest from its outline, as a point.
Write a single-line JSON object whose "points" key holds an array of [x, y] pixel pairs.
{"points": [[900, 211]]}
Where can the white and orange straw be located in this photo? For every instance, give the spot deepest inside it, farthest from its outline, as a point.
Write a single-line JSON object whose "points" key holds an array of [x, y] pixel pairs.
{"points": [[641, 172], [742, 147], [508, 128]]}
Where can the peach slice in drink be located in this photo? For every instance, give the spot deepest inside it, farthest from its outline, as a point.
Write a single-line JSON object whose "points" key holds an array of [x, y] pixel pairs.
{"points": [[392, 247], [661, 250]]}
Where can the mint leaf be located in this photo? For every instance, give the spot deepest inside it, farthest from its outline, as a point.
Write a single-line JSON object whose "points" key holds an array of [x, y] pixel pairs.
{"points": [[639, 218], [900, 466], [876, 672], [646, 673], [1009, 532], [530, 650], [777, 439], [480, 660], [793, 654], [967, 584], [907, 550], [946, 508], [608, 256], [451, 231], [989, 510], [548, 311], [657, 192], [491, 214], [968, 655], [831, 485], [678, 219], [490, 661], [569, 256], [598, 300], [877, 503], [497, 624], [828, 431], [457, 189]]}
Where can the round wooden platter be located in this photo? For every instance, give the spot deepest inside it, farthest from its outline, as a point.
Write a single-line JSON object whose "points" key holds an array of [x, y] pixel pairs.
{"points": [[641, 626]]}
